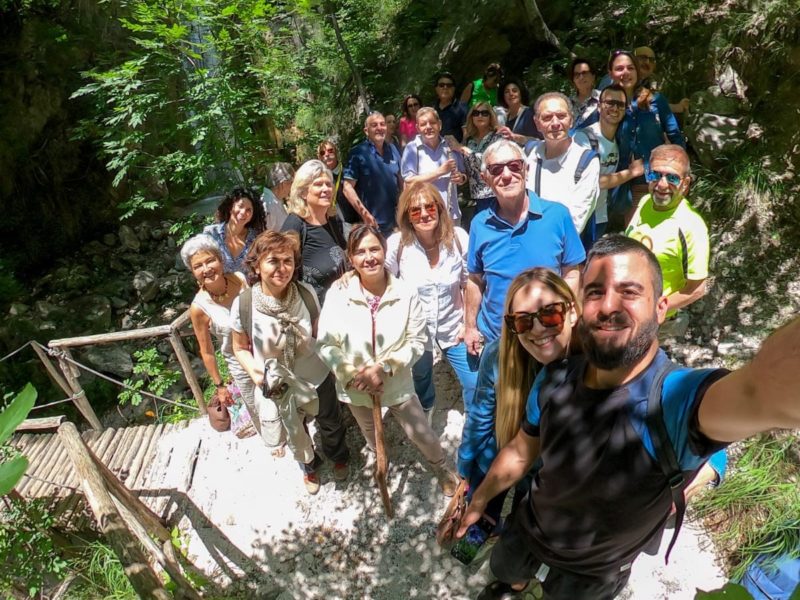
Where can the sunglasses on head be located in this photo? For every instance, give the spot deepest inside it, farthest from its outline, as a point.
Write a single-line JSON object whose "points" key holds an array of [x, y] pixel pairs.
{"points": [[515, 166], [672, 178], [415, 212], [481, 113], [552, 315]]}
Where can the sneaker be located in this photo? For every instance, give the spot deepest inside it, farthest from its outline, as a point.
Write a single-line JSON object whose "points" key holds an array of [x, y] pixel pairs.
{"points": [[341, 471], [312, 483]]}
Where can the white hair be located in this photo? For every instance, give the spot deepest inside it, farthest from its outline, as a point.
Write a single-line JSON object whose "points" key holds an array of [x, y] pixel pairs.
{"points": [[202, 242], [495, 147]]}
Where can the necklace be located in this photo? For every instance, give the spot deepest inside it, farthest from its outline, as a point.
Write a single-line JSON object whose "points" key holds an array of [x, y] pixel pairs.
{"points": [[220, 297]]}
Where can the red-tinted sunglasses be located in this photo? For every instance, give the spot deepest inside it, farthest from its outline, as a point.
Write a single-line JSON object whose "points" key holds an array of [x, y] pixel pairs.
{"points": [[552, 315], [515, 166], [415, 212]]}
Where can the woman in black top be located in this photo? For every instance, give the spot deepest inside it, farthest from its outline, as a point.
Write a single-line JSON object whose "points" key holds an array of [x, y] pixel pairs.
{"points": [[312, 216]]}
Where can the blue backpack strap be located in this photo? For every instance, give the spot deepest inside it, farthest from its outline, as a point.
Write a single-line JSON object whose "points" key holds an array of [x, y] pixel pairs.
{"points": [[584, 161], [664, 451]]}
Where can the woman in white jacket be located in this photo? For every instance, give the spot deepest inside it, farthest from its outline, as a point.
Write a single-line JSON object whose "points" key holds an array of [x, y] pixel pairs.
{"points": [[371, 331]]}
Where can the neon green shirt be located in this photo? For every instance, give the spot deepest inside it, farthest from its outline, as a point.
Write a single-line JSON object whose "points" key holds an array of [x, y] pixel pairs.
{"points": [[678, 238], [481, 94]]}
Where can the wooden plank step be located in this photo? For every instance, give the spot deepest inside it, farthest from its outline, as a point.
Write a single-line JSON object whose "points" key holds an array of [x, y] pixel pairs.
{"points": [[54, 461], [35, 454], [119, 453], [136, 461]]}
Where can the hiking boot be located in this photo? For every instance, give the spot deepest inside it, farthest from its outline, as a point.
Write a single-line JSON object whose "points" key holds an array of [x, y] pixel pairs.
{"points": [[312, 483], [341, 471]]}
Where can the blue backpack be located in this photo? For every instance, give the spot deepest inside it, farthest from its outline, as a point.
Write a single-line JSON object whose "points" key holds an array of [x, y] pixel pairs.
{"points": [[773, 580]]}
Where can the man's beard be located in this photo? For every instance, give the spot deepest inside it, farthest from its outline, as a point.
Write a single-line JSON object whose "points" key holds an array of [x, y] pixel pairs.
{"points": [[609, 357]]}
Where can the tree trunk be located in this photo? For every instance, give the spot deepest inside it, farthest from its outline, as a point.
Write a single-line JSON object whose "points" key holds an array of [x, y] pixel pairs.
{"points": [[363, 104]]}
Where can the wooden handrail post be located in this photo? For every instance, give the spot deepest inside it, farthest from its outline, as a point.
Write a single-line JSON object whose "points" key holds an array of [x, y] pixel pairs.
{"points": [[51, 370], [186, 366], [78, 395], [142, 577]]}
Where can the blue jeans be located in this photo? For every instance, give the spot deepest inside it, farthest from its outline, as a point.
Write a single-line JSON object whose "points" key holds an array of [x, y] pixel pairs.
{"points": [[464, 364]]}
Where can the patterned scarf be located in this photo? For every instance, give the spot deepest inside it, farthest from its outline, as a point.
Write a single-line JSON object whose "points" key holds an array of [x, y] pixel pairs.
{"points": [[280, 310]]}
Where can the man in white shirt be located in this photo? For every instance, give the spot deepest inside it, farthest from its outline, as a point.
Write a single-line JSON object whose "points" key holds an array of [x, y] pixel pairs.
{"points": [[600, 137], [559, 170]]}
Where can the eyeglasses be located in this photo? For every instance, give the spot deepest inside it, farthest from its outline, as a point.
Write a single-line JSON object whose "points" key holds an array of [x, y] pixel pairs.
{"points": [[481, 113], [672, 178], [445, 85], [613, 104], [415, 212], [552, 315], [515, 166]]}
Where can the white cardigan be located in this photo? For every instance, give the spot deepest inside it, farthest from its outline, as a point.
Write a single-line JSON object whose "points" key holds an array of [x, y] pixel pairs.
{"points": [[344, 338]]}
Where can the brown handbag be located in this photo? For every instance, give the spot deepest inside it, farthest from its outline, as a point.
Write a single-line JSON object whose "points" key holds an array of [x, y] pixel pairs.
{"points": [[448, 525], [218, 415]]}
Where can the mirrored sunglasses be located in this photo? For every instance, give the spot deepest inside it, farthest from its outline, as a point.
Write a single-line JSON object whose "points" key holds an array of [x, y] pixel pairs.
{"points": [[552, 315], [515, 166], [672, 178]]}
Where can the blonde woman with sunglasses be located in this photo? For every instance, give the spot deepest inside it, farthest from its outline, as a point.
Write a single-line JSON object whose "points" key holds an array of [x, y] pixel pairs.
{"points": [[540, 312], [429, 254]]}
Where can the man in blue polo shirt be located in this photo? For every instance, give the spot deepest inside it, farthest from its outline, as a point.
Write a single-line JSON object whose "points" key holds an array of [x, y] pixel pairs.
{"points": [[372, 181], [519, 231]]}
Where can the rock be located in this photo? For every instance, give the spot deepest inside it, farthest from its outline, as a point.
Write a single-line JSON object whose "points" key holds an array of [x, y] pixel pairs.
{"points": [[46, 309], [128, 239], [146, 285], [94, 248], [755, 132], [111, 359], [731, 84], [94, 310], [157, 234], [17, 309], [79, 277], [713, 136], [110, 239], [118, 303], [127, 322]]}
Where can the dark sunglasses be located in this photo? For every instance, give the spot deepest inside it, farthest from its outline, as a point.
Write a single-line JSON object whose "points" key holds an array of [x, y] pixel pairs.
{"points": [[515, 166], [415, 212], [672, 178], [552, 315], [481, 113], [613, 104]]}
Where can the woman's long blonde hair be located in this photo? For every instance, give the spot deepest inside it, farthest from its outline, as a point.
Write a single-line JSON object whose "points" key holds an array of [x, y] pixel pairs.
{"points": [[427, 192], [516, 367]]}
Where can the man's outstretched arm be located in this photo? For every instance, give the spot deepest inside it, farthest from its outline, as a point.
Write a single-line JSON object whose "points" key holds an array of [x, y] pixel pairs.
{"points": [[762, 395], [511, 465]]}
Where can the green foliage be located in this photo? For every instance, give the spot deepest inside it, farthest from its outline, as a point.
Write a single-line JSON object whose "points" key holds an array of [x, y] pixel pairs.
{"points": [[730, 591], [758, 505], [185, 227], [154, 376], [11, 470], [101, 575], [27, 551]]}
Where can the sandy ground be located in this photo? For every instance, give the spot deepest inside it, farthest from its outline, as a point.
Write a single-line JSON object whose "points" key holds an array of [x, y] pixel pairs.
{"points": [[249, 522]]}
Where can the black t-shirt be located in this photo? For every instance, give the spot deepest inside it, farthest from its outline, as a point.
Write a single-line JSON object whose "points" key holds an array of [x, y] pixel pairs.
{"points": [[322, 250], [453, 117], [346, 210], [600, 496]]}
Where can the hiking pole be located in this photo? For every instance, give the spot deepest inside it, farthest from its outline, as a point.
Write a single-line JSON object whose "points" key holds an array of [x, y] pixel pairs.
{"points": [[381, 462]]}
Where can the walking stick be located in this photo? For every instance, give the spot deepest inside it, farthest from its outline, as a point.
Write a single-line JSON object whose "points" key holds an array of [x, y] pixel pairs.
{"points": [[381, 461]]}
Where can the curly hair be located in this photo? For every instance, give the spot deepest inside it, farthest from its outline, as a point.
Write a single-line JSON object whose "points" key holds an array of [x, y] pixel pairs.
{"points": [[259, 221], [269, 242]]}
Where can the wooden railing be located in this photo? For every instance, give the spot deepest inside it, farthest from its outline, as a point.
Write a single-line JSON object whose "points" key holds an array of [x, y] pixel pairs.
{"points": [[67, 379]]}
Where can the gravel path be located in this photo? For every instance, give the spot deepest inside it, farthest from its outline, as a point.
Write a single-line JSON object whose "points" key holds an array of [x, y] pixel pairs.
{"points": [[248, 521]]}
